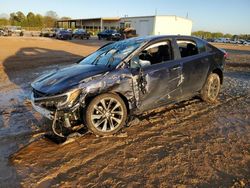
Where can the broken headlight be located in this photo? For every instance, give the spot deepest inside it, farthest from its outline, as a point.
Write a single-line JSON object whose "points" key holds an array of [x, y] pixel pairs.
{"points": [[65, 100], [71, 98]]}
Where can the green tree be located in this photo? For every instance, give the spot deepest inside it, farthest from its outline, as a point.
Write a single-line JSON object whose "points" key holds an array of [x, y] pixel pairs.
{"points": [[50, 18], [30, 19], [228, 35], [21, 18], [39, 20], [17, 18], [202, 34], [217, 35], [49, 22], [4, 22], [13, 18]]}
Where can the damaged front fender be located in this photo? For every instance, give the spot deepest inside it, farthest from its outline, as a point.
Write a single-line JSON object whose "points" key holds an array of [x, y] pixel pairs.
{"points": [[118, 81]]}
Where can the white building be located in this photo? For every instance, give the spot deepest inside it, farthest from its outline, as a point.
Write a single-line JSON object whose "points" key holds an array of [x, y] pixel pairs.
{"points": [[144, 25], [158, 25]]}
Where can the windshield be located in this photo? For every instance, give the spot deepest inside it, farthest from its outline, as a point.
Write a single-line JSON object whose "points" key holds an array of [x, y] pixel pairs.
{"points": [[113, 54]]}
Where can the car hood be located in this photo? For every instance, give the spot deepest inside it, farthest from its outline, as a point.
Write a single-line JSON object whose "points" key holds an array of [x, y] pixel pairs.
{"points": [[66, 78]]}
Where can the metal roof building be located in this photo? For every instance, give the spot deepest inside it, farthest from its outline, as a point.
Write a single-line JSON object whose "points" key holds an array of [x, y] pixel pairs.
{"points": [[144, 25], [90, 23]]}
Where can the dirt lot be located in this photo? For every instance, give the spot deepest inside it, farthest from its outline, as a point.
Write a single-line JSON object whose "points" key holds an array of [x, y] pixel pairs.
{"points": [[184, 145]]}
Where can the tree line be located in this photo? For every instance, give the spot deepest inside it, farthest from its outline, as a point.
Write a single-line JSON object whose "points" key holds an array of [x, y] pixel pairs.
{"points": [[31, 20], [210, 35], [38, 21]]}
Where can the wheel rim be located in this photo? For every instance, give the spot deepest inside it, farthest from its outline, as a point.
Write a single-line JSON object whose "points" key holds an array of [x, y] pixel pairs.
{"points": [[214, 88], [107, 115]]}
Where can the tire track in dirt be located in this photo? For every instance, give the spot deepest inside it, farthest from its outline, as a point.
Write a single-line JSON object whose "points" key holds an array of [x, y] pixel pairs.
{"points": [[151, 133], [144, 153]]}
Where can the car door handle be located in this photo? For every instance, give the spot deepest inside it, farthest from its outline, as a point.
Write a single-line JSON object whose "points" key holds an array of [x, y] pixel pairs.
{"points": [[175, 68]]}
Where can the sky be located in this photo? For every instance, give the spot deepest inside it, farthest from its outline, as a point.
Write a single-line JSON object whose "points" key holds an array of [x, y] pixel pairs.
{"points": [[227, 16]]}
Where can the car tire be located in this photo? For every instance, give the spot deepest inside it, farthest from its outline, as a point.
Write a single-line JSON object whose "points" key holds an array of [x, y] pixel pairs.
{"points": [[106, 114], [211, 89]]}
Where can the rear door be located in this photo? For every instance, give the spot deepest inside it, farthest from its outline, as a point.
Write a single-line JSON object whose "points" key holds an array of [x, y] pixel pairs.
{"points": [[195, 64]]}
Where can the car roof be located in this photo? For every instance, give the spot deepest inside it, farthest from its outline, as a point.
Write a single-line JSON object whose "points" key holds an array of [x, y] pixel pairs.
{"points": [[154, 38], [157, 37]]}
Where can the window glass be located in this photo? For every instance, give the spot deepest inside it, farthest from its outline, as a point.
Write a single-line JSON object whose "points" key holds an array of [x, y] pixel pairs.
{"points": [[112, 54], [187, 48], [156, 53], [201, 46], [209, 48]]}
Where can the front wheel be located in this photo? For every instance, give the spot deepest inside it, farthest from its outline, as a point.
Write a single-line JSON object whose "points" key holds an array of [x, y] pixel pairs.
{"points": [[211, 89], [106, 114]]}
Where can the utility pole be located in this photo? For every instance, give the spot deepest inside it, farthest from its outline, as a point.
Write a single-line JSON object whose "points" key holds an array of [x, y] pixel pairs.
{"points": [[156, 12]]}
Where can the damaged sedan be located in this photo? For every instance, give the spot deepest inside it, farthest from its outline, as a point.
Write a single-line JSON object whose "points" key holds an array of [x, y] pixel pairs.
{"points": [[126, 78]]}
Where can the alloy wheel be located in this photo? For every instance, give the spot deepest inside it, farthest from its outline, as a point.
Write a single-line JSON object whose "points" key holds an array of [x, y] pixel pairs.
{"points": [[107, 114]]}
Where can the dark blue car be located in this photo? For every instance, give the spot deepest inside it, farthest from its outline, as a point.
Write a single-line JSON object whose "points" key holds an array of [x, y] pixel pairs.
{"points": [[106, 34], [64, 35], [126, 78], [80, 34]]}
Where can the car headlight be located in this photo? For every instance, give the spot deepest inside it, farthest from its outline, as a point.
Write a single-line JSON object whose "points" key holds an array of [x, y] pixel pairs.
{"points": [[65, 100], [70, 100]]}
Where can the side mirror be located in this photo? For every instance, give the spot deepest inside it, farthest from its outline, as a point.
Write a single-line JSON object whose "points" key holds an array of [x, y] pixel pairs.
{"points": [[134, 64]]}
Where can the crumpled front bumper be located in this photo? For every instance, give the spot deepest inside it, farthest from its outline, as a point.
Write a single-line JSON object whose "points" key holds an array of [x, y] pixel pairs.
{"points": [[43, 111]]}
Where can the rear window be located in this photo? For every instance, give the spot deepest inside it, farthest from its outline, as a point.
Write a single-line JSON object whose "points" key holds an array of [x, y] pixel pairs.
{"points": [[187, 48], [201, 46], [209, 47]]}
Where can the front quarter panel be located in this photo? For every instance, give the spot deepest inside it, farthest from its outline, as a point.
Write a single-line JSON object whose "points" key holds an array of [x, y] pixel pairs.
{"points": [[116, 81]]}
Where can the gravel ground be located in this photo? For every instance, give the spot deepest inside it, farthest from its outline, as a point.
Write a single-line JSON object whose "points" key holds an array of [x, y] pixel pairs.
{"points": [[183, 145]]}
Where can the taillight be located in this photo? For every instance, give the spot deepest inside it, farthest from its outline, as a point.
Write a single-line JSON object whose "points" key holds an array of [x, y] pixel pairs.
{"points": [[225, 55]]}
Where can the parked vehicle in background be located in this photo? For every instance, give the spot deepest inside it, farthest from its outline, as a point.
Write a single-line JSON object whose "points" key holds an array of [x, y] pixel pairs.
{"points": [[247, 42], [80, 34], [5, 32], [48, 32], [210, 40], [106, 34], [16, 30], [117, 36], [64, 35], [129, 33], [233, 42], [70, 30], [222, 40], [1, 32], [240, 41], [127, 78]]}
